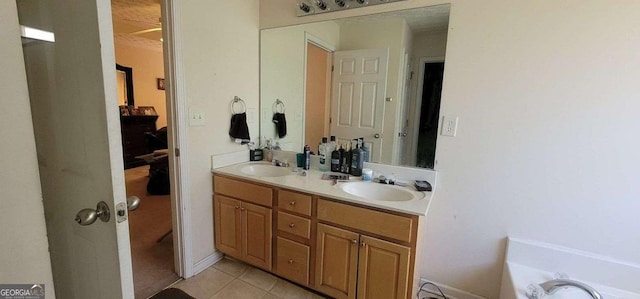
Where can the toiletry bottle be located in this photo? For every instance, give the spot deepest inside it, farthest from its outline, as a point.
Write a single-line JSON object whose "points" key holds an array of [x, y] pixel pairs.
{"points": [[346, 158], [269, 150], [335, 159], [365, 150], [322, 152], [307, 157], [356, 160]]}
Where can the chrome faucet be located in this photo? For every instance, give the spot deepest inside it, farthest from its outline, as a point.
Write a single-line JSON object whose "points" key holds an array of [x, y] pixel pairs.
{"points": [[552, 286], [276, 162]]}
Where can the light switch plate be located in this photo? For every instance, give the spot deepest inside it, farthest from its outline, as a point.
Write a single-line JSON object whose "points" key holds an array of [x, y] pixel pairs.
{"points": [[196, 118], [449, 126]]}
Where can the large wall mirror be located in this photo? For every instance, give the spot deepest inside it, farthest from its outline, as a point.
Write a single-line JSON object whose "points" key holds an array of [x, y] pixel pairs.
{"points": [[377, 76], [124, 81]]}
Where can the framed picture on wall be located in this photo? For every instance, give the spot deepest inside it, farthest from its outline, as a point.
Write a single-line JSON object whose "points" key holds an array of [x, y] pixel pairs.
{"points": [[147, 110], [160, 83], [124, 110]]}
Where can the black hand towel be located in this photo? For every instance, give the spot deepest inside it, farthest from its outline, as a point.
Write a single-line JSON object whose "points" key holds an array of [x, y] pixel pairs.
{"points": [[281, 124], [239, 128]]}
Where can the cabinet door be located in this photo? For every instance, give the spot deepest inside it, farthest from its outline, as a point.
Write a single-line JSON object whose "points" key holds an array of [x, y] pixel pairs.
{"points": [[336, 261], [228, 225], [256, 235], [383, 269]]}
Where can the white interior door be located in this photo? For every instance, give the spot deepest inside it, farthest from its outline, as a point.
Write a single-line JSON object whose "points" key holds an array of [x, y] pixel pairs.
{"points": [[72, 87], [358, 95]]}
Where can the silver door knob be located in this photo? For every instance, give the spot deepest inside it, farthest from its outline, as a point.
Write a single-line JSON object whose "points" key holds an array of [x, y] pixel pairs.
{"points": [[376, 136], [133, 202], [89, 216]]}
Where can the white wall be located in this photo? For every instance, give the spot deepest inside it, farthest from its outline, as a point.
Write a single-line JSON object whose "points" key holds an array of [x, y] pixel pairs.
{"points": [[282, 75], [148, 65], [547, 95], [221, 60], [24, 251]]}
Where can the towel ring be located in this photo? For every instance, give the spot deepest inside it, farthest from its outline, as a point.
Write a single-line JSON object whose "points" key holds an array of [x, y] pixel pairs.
{"points": [[278, 106], [238, 100]]}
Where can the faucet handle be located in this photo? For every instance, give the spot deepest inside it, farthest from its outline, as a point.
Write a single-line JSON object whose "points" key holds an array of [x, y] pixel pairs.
{"points": [[535, 291]]}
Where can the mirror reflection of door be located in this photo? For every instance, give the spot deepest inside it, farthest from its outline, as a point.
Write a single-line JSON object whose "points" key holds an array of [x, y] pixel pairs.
{"points": [[318, 94], [358, 95]]}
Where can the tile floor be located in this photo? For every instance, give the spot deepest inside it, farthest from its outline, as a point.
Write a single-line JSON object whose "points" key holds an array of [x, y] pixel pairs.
{"points": [[232, 279]]}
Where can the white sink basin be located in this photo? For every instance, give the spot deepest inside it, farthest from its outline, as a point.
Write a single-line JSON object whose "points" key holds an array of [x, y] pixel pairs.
{"points": [[382, 192], [265, 170]]}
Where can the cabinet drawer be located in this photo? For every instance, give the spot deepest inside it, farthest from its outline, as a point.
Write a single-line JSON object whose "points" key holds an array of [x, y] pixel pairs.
{"points": [[294, 202], [293, 261], [376, 222], [246, 191], [293, 224]]}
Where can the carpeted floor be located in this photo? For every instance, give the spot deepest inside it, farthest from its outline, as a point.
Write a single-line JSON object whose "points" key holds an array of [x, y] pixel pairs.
{"points": [[152, 261]]}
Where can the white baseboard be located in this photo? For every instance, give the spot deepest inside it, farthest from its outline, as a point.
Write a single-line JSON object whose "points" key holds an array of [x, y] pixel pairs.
{"points": [[450, 292], [207, 262]]}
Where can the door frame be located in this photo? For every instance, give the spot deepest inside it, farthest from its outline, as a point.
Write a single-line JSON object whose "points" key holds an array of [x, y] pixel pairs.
{"points": [[416, 105], [310, 38], [178, 150]]}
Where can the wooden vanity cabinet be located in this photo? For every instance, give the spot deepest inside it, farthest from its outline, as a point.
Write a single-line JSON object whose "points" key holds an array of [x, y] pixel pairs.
{"points": [[243, 229], [294, 229], [359, 251], [343, 250]]}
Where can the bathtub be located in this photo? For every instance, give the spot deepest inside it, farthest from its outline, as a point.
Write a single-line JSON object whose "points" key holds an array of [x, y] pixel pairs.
{"points": [[530, 262]]}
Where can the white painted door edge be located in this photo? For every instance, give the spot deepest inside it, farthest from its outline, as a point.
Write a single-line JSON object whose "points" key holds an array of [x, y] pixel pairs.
{"points": [[177, 120]]}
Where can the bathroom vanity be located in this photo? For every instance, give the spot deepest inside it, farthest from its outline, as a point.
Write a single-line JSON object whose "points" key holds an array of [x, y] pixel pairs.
{"points": [[309, 231]]}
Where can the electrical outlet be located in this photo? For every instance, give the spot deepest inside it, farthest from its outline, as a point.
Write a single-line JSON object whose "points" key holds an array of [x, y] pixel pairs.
{"points": [[449, 126]]}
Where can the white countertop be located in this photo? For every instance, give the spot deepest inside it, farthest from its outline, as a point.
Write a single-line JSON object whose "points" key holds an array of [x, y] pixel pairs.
{"points": [[313, 184]]}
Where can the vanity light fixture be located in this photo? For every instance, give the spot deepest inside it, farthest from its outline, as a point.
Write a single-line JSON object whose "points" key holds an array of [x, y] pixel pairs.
{"points": [[311, 7]]}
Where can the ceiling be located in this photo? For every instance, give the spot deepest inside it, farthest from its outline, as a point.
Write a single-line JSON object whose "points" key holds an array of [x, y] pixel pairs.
{"points": [[430, 18], [137, 23]]}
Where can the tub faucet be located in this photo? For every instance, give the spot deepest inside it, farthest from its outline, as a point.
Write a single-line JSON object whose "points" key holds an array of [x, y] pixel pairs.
{"points": [[552, 286]]}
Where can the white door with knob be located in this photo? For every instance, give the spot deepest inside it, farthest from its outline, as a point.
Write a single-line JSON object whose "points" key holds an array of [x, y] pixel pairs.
{"points": [[358, 96], [72, 86]]}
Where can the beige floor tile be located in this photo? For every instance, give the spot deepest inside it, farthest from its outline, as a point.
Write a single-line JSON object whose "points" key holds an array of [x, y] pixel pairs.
{"points": [[259, 278], [286, 290], [239, 289], [270, 296], [205, 284], [231, 267]]}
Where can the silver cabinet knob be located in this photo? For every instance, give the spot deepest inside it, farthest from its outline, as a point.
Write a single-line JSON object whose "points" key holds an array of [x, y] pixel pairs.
{"points": [[292, 225], [89, 216], [376, 136]]}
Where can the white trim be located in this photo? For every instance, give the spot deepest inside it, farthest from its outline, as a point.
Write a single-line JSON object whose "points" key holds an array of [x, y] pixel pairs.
{"points": [[207, 262], [417, 105], [177, 120], [309, 38]]}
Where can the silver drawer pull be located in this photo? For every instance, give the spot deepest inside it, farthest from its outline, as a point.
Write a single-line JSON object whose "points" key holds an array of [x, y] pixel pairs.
{"points": [[293, 203], [292, 225]]}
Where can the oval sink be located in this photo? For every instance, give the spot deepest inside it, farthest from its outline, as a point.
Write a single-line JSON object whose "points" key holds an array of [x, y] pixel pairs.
{"points": [[380, 191], [265, 170]]}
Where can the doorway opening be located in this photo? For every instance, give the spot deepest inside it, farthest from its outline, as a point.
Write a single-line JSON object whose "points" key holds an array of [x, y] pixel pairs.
{"points": [[431, 73], [317, 92], [144, 122]]}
